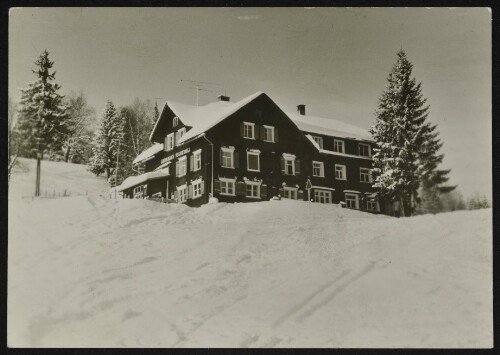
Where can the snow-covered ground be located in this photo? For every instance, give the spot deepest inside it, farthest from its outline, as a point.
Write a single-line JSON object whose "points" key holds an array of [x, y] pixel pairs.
{"points": [[89, 271]]}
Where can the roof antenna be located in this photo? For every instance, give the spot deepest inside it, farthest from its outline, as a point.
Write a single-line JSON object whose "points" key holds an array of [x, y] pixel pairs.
{"points": [[199, 86]]}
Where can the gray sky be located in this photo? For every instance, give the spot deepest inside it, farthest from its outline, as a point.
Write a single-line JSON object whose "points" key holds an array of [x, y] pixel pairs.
{"points": [[335, 61]]}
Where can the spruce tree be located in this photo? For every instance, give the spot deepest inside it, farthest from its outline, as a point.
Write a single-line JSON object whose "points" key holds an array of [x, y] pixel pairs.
{"points": [[42, 113], [156, 113], [106, 142], [399, 132]]}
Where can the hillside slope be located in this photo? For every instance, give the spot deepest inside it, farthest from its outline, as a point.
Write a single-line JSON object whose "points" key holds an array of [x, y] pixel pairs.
{"points": [[92, 271]]}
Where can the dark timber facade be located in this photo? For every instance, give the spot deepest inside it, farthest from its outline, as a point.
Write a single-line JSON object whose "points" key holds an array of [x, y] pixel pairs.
{"points": [[251, 151]]}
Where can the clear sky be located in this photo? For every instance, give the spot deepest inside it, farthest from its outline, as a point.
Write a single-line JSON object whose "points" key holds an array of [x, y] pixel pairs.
{"points": [[333, 60]]}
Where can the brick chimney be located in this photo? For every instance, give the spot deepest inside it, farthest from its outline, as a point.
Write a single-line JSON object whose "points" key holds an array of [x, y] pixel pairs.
{"points": [[301, 109], [223, 98]]}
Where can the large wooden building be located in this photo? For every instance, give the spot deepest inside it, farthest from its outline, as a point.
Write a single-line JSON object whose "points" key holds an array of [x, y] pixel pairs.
{"points": [[252, 150]]}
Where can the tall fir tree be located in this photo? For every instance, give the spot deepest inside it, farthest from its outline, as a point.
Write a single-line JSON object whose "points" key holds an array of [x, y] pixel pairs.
{"points": [[156, 113], [42, 113], [107, 142], [399, 131]]}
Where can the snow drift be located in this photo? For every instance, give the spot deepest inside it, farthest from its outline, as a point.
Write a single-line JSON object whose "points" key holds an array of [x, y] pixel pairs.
{"points": [[89, 271]]}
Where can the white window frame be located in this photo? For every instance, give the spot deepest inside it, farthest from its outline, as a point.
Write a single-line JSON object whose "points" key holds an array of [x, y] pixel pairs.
{"points": [[289, 158], [252, 126], [175, 121], [290, 192], [182, 193], [339, 143], [322, 194], [197, 160], [349, 197], [170, 141], [253, 152], [342, 170], [363, 173], [266, 130], [228, 150], [227, 182], [182, 163], [321, 168], [197, 188], [179, 134], [370, 201], [319, 141], [257, 189], [364, 145]]}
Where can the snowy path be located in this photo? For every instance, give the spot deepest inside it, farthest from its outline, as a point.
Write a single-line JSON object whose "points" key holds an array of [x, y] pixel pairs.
{"points": [[87, 271]]}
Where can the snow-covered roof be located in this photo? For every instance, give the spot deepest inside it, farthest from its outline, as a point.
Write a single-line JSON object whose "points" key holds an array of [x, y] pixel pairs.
{"points": [[132, 181], [328, 126], [202, 118], [148, 153]]}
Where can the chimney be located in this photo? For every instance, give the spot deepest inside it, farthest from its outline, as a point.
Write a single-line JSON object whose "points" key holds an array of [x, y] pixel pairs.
{"points": [[223, 98], [301, 109]]}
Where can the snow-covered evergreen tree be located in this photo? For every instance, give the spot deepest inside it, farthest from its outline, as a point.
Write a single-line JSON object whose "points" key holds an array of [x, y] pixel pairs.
{"points": [[407, 154], [106, 142], [398, 133], [42, 113]]}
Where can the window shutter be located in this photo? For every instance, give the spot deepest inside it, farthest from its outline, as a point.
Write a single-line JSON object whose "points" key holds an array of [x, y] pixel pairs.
{"points": [[236, 159], [263, 191], [191, 162], [283, 171], [300, 195], [241, 189], [165, 144], [241, 129], [177, 168], [202, 187], [190, 191], [282, 192], [276, 134], [216, 187], [220, 157], [256, 131], [261, 132], [297, 166]]}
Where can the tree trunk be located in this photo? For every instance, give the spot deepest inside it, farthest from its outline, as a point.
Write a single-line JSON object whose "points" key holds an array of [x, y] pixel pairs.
{"points": [[402, 207], [66, 156], [107, 173]]}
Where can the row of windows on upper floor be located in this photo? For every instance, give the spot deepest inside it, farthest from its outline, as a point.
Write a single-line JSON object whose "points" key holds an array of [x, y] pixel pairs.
{"points": [[290, 165], [364, 149]]}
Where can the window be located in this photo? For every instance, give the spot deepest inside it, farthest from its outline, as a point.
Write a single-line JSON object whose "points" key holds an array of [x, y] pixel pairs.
{"points": [[351, 200], [197, 160], [268, 134], [169, 144], [364, 150], [365, 175], [319, 141], [140, 191], [182, 193], [340, 173], [227, 187], [318, 169], [290, 192], [197, 188], [371, 204], [322, 196], [181, 166], [253, 189], [179, 134], [253, 161], [249, 130], [175, 122], [338, 146], [227, 160], [288, 164]]}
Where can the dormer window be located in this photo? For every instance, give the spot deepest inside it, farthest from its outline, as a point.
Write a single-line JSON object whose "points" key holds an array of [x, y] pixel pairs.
{"points": [[175, 122], [338, 146], [319, 141], [364, 150]]}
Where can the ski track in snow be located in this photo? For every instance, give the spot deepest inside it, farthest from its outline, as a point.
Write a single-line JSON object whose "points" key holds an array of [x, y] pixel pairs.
{"points": [[97, 272]]}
